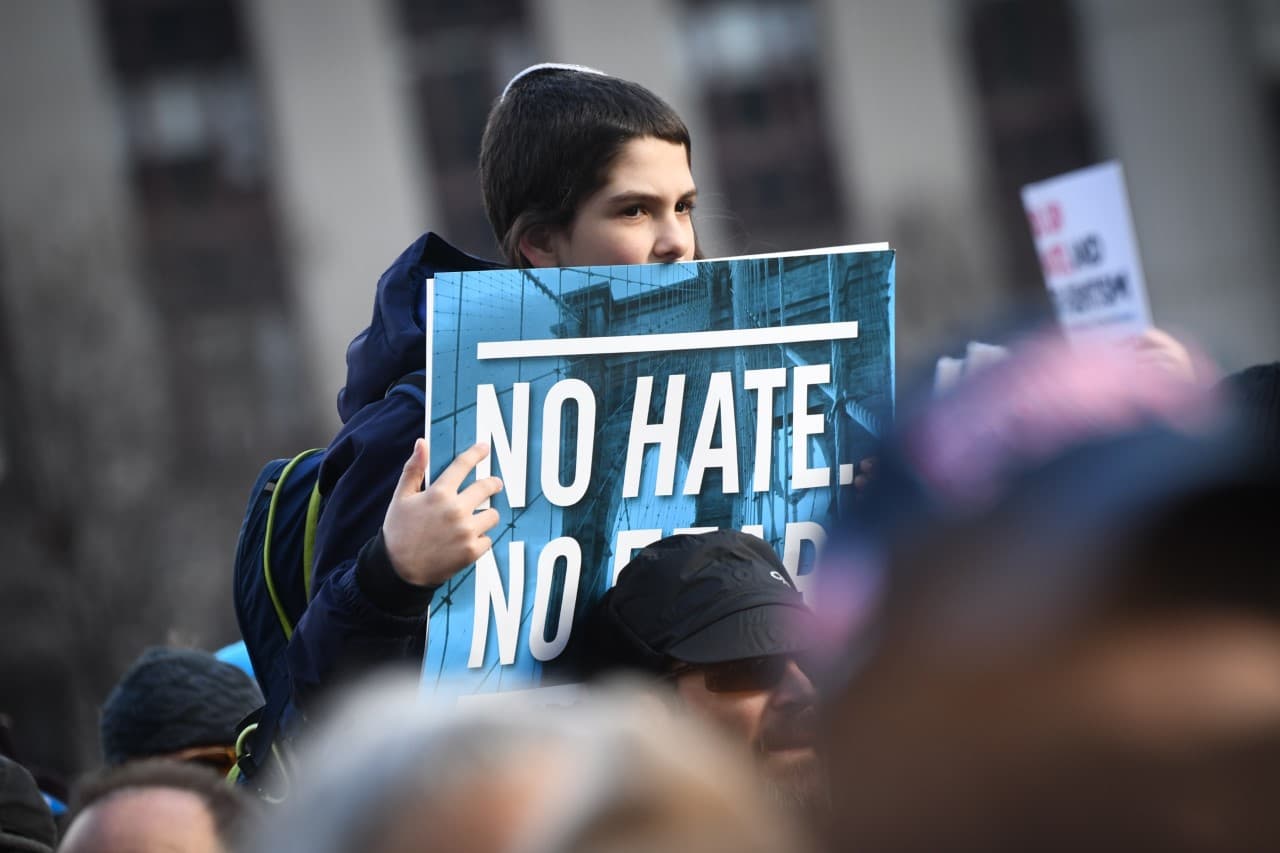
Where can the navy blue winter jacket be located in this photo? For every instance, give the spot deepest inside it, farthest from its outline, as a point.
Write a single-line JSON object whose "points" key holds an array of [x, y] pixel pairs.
{"points": [[362, 614]]}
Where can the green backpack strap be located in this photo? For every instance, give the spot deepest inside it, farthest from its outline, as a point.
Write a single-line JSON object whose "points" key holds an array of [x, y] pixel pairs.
{"points": [[313, 514], [282, 779], [411, 384], [309, 540]]}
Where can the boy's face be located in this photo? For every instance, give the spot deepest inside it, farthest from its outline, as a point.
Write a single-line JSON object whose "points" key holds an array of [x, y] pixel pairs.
{"points": [[642, 214]]}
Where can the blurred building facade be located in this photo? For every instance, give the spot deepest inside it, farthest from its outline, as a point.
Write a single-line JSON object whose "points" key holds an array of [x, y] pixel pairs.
{"points": [[197, 197]]}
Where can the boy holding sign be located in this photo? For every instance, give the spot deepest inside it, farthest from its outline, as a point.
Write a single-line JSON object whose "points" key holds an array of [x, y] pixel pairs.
{"points": [[576, 168]]}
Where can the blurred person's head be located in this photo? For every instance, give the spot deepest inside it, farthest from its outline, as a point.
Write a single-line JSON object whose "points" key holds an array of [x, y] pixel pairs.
{"points": [[716, 618], [1071, 566], [581, 168], [615, 772], [26, 823], [157, 805], [182, 704], [1256, 391]]}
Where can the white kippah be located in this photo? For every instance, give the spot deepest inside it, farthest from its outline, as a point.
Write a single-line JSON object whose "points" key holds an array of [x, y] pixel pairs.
{"points": [[559, 66]]}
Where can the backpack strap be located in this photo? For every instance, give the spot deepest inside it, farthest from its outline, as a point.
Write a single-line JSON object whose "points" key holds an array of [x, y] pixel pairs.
{"points": [[309, 538], [262, 753], [412, 384], [256, 746], [285, 623]]}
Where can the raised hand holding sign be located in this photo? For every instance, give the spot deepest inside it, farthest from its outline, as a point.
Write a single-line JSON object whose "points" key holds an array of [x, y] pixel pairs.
{"points": [[432, 533]]}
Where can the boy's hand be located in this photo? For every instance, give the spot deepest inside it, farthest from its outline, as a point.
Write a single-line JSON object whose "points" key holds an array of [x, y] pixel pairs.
{"points": [[433, 533]]}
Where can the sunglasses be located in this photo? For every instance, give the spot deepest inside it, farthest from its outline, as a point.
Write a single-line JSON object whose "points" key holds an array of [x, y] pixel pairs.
{"points": [[735, 676]]}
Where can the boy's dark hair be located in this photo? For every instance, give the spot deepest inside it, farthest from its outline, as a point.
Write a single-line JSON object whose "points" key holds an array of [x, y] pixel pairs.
{"points": [[229, 808], [550, 141]]}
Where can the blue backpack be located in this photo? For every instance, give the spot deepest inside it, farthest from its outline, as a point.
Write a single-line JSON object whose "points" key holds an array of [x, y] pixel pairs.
{"points": [[274, 563]]}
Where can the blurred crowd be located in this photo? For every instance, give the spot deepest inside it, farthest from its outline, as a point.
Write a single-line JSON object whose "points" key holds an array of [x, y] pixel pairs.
{"points": [[1049, 620], [1053, 624]]}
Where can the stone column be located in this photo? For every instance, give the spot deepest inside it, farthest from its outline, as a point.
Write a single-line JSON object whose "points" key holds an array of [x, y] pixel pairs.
{"points": [[1175, 93], [905, 118], [351, 177]]}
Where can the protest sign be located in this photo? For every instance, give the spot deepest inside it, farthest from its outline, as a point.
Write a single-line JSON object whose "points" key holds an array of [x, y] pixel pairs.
{"points": [[1084, 236], [624, 404]]}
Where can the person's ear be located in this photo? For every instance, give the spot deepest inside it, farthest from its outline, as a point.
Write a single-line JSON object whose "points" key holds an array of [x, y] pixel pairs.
{"points": [[539, 246]]}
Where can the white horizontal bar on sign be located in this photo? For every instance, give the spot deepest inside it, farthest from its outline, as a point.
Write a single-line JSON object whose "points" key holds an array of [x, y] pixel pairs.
{"points": [[851, 249], [667, 342]]}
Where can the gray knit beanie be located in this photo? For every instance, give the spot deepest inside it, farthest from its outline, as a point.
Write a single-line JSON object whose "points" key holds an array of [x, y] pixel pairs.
{"points": [[174, 699]]}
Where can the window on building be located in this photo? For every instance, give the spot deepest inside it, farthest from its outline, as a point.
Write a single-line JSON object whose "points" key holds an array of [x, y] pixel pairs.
{"points": [[192, 124], [1262, 19], [458, 55], [1033, 107], [757, 65]]}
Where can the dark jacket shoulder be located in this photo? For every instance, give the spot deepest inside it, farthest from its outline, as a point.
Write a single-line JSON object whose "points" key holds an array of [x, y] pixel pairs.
{"points": [[361, 614]]}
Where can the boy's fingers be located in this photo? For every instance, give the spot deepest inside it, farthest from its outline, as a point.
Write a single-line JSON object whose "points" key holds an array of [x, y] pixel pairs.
{"points": [[483, 522], [451, 478], [415, 470], [479, 492]]}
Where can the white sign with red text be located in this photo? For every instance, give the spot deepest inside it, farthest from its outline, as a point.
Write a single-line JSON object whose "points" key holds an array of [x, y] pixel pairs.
{"points": [[1088, 252]]}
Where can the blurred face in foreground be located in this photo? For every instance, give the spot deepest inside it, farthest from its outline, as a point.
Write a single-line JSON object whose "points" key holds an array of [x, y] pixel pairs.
{"points": [[145, 819], [485, 815], [620, 771], [767, 703]]}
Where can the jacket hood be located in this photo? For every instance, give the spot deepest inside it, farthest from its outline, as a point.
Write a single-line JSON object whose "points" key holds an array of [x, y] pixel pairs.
{"points": [[394, 344]]}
